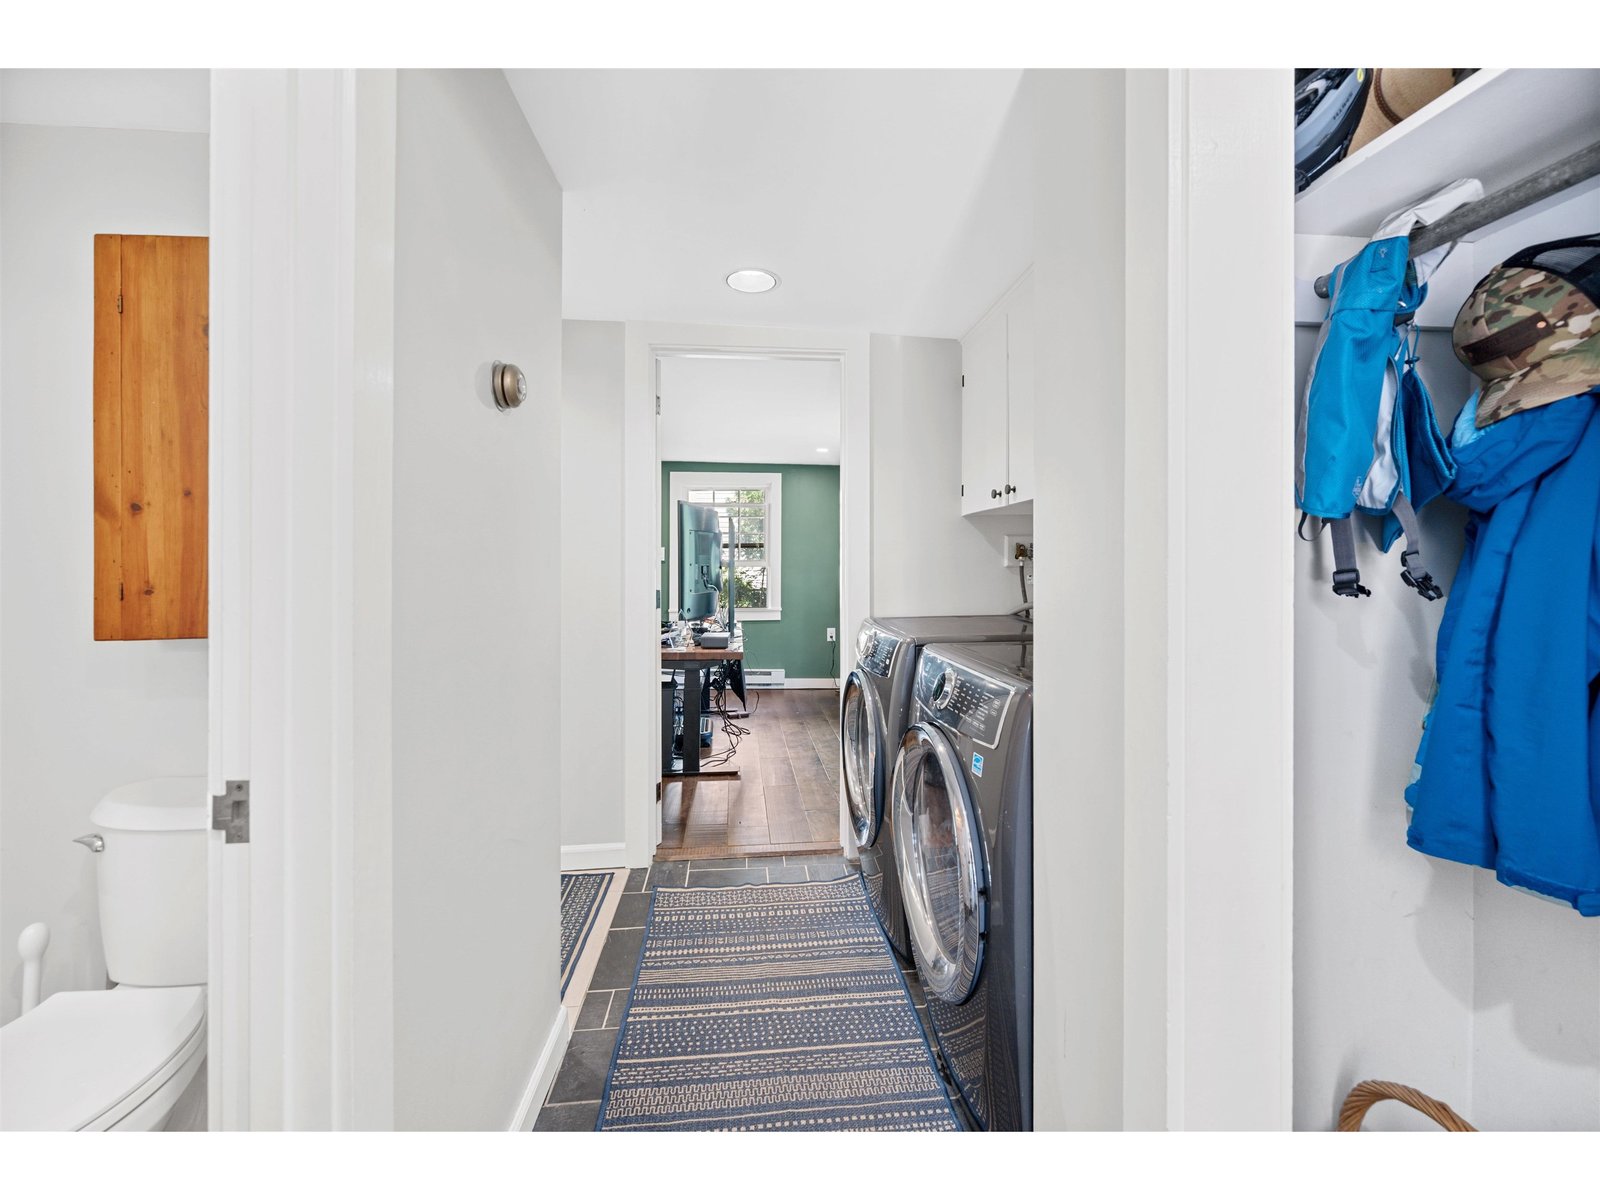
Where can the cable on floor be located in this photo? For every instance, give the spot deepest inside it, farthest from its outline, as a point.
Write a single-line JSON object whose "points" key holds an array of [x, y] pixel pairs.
{"points": [[731, 729]]}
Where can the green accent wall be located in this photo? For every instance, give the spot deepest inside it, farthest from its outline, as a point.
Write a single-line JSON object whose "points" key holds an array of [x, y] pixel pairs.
{"points": [[809, 544]]}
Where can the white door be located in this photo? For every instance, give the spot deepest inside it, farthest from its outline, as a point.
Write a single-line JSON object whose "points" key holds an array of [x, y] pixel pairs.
{"points": [[1019, 393], [234, 287], [983, 415], [300, 976]]}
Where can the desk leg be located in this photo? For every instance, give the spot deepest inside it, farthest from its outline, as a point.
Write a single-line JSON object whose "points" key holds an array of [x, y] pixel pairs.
{"points": [[691, 719], [668, 699]]}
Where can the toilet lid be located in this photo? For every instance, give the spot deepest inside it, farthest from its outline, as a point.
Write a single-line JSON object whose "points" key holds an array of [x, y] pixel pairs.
{"points": [[79, 1054]]}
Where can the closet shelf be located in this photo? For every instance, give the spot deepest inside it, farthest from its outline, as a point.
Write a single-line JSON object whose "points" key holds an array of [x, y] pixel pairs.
{"points": [[1499, 125]]}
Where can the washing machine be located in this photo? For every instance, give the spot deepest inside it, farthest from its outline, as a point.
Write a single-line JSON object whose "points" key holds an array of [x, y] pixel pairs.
{"points": [[963, 815], [874, 711]]}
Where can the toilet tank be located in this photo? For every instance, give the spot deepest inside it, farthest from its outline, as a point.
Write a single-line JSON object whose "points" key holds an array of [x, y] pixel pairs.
{"points": [[152, 881]]}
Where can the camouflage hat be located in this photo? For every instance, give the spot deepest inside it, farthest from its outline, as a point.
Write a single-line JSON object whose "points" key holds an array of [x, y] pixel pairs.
{"points": [[1531, 328]]}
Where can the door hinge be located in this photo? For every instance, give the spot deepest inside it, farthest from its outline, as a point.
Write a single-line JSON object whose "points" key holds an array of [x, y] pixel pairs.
{"points": [[119, 301], [230, 812], [658, 406], [120, 595]]}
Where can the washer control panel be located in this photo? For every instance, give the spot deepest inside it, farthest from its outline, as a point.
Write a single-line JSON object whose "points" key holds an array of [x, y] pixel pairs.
{"points": [[875, 649], [962, 700]]}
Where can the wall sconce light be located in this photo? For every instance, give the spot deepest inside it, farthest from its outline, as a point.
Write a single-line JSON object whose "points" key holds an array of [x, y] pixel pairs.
{"points": [[509, 384]]}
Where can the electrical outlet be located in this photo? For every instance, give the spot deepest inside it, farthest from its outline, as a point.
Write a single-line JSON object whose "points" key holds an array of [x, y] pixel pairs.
{"points": [[1019, 550], [833, 634]]}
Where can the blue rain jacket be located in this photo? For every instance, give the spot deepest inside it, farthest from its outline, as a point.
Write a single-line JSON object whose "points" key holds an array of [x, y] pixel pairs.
{"points": [[1508, 771]]}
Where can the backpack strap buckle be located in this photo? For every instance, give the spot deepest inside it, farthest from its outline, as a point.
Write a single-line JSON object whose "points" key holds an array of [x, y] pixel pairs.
{"points": [[1346, 575], [1347, 582], [1414, 572], [1421, 581]]}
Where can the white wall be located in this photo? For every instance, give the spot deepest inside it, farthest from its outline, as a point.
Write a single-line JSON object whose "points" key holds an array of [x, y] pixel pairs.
{"points": [[591, 592], [926, 558], [477, 603], [1231, 689], [79, 716], [177, 101], [1078, 380], [1149, 247], [1408, 967], [1161, 820]]}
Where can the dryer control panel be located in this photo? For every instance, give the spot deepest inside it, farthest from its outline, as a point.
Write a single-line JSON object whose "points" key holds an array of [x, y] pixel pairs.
{"points": [[964, 701], [875, 649]]}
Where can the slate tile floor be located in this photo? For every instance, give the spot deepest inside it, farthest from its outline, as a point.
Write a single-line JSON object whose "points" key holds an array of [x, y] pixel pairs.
{"points": [[574, 1101]]}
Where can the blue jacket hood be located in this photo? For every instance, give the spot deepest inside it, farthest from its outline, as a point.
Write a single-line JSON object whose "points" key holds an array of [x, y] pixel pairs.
{"points": [[1494, 462]]}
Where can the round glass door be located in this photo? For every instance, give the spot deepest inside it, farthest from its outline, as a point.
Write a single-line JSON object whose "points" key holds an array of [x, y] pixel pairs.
{"points": [[860, 737], [939, 851]]}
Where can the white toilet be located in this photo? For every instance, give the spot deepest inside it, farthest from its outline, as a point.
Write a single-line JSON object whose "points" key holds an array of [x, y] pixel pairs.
{"points": [[121, 1058]]}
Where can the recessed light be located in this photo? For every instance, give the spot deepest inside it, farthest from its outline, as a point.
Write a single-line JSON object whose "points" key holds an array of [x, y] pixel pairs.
{"points": [[822, 449], [752, 279]]}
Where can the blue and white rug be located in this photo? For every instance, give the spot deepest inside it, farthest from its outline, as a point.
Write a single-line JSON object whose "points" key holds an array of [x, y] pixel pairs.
{"points": [[582, 896], [770, 1007]]}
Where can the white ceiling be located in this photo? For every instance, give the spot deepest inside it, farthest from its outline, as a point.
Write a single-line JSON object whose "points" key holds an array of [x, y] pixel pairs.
{"points": [[107, 99], [887, 201], [756, 410]]}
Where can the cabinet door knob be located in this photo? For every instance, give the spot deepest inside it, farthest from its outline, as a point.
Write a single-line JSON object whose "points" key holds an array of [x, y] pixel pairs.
{"points": [[994, 493], [1010, 487]]}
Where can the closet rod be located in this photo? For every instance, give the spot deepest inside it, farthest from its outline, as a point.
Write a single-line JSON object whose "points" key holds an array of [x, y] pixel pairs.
{"points": [[1515, 197]]}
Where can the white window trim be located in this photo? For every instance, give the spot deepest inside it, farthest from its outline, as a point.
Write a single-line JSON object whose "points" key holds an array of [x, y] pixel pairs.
{"points": [[681, 483]]}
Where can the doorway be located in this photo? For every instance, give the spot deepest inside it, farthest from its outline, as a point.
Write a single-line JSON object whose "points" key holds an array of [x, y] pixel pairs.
{"points": [[748, 444]]}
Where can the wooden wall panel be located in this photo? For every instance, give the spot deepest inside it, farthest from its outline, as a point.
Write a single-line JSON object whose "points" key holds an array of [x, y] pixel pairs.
{"points": [[151, 440]]}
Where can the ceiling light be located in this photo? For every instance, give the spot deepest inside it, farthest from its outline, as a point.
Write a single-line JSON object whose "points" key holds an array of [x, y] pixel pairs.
{"points": [[822, 449], [752, 279]]}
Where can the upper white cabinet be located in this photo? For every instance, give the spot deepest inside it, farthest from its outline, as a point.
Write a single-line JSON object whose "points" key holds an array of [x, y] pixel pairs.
{"points": [[1019, 393], [997, 404], [984, 429]]}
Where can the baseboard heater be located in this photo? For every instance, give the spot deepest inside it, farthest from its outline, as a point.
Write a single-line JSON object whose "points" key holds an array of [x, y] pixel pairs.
{"points": [[763, 677]]}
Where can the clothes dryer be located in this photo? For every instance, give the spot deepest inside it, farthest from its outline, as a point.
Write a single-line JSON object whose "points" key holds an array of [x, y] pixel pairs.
{"points": [[874, 711], [963, 817]]}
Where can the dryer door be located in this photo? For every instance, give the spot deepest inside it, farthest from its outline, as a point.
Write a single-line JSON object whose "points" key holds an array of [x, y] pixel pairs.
{"points": [[861, 740], [943, 876]]}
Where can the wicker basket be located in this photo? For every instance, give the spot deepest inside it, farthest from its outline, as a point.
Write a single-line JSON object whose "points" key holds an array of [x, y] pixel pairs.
{"points": [[1367, 1093]]}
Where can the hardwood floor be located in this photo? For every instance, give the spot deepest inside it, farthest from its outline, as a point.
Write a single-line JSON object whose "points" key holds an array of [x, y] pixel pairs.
{"points": [[786, 800]]}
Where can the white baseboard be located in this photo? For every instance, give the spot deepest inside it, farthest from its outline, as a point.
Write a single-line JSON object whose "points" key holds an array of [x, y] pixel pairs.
{"points": [[791, 684], [544, 1073], [594, 856]]}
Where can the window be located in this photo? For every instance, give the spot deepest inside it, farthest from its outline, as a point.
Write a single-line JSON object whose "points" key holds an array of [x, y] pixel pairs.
{"points": [[749, 507]]}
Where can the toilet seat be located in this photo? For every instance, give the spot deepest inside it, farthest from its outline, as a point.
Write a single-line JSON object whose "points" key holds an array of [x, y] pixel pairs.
{"points": [[101, 1060]]}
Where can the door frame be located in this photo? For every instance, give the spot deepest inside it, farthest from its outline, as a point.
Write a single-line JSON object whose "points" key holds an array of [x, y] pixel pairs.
{"points": [[1158, 1023], [645, 344], [300, 978], [1210, 603]]}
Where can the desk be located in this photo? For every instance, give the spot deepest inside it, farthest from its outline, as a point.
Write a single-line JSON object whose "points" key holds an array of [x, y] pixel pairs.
{"points": [[695, 658]]}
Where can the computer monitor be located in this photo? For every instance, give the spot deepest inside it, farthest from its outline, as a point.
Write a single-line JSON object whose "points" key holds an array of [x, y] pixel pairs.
{"points": [[699, 561]]}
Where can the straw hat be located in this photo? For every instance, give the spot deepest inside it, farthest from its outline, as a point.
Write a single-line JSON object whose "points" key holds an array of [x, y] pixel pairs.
{"points": [[1397, 93]]}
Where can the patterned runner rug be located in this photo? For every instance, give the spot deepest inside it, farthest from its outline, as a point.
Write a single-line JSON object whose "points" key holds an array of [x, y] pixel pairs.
{"points": [[582, 894], [770, 1007]]}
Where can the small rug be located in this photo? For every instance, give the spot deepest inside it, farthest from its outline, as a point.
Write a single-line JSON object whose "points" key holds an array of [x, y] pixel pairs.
{"points": [[582, 894], [770, 1007]]}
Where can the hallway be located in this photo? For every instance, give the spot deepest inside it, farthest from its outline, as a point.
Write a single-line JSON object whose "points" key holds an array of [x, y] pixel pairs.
{"points": [[574, 1100]]}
